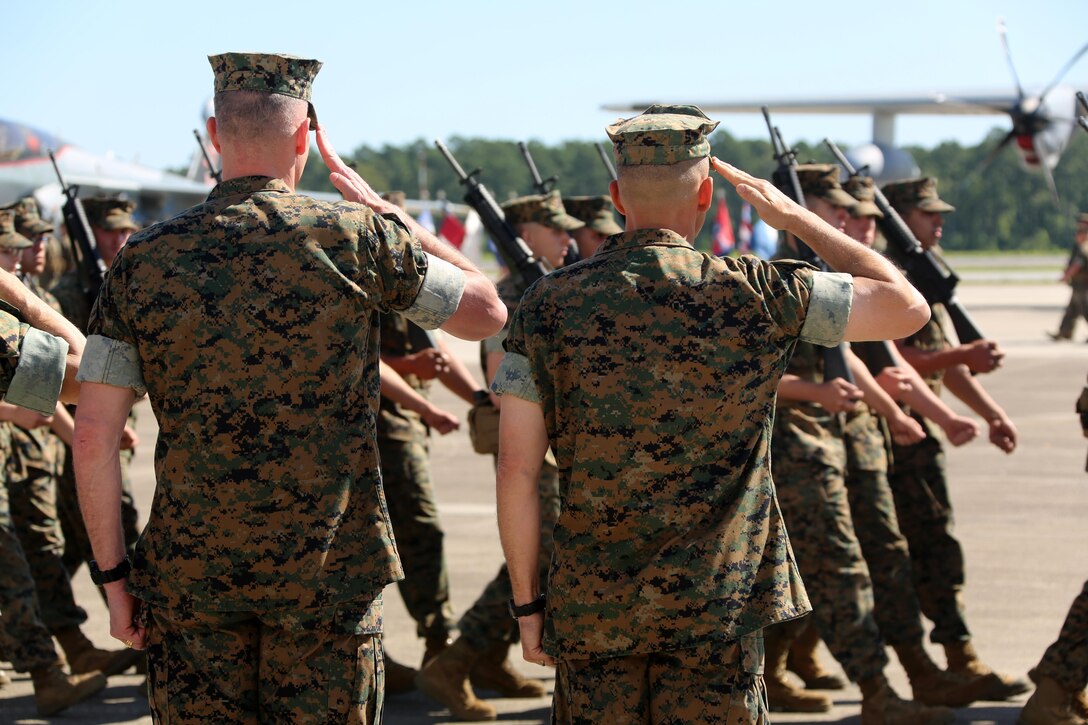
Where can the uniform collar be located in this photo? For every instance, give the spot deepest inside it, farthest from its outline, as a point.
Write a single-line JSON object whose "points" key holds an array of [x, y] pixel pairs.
{"points": [[248, 185], [644, 238]]}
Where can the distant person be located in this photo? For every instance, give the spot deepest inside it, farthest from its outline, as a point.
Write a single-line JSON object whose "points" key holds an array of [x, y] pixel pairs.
{"points": [[251, 320], [1076, 276], [919, 478], [651, 371]]}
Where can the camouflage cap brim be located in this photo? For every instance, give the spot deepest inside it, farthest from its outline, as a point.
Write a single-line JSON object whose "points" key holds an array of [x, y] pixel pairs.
{"points": [[935, 205], [864, 209], [837, 197], [605, 225], [287, 75], [661, 135], [14, 240], [565, 222], [33, 227]]}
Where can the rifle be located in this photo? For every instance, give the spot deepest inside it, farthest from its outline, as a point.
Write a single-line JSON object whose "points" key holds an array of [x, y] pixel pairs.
{"points": [[89, 266], [785, 178], [929, 273], [606, 161], [217, 175], [514, 252], [542, 186]]}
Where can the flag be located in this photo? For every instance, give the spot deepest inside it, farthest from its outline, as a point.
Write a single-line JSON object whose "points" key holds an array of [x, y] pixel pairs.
{"points": [[764, 240], [744, 233], [452, 230], [723, 229], [426, 220]]}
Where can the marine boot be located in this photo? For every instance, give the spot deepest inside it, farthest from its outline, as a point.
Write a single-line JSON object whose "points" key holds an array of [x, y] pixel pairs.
{"points": [[493, 671], [83, 656], [933, 686], [881, 706], [445, 679], [963, 658], [399, 678], [1080, 699], [55, 691], [433, 646], [4, 679], [783, 695], [803, 662], [1050, 704]]}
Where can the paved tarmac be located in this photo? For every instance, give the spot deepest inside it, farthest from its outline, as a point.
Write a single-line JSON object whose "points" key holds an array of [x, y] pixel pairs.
{"points": [[1021, 519]]}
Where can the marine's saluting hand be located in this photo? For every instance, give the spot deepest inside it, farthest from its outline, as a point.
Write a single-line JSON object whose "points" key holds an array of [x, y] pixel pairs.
{"points": [[347, 180], [773, 207]]}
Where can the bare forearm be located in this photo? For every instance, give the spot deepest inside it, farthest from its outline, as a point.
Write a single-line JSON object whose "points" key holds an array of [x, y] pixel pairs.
{"points": [[394, 387], [791, 387], [63, 425], [966, 387], [519, 525], [874, 395], [98, 481], [458, 379], [931, 361]]}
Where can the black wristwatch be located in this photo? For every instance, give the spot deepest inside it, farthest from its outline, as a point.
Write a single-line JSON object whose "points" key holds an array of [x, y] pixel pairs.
{"points": [[537, 605], [117, 573]]}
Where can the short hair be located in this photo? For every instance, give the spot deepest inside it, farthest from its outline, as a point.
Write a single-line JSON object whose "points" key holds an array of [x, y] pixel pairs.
{"points": [[249, 116], [663, 182]]}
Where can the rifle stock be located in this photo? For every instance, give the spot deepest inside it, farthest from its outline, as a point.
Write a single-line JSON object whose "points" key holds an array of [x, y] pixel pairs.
{"points": [[515, 253], [785, 178], [928, 272], [89, 266]]}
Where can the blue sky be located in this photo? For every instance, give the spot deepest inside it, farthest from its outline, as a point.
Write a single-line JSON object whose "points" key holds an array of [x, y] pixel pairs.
{"points": [[131, 78]]}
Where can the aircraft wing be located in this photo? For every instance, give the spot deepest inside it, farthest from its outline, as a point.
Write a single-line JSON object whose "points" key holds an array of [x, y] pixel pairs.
{"points": [[989, 104]]}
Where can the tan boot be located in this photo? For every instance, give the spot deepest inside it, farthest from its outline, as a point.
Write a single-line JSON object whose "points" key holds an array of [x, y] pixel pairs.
{"points": [[399, 678], [803, 662], [445, 679], [434, 646], [963, 658], [783, 695], [83, 656], [493, 671], [4, 679], [933, 686], [881, 706], [55, 691], [1050, 704], [1080, 699]]}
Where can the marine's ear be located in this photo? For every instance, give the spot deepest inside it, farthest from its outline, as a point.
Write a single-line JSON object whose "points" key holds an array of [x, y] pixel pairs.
{"points": [[614, 192], [213, 132], [706, 194]]}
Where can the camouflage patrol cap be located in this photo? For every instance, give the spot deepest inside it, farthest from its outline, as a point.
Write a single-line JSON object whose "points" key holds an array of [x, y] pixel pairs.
{"points": [[28, 220], [110, 213], [9, 238], [921, 193], [595, 212], [546, 209], [661, 135], [287, 75], [864, 191], [822, 181]]}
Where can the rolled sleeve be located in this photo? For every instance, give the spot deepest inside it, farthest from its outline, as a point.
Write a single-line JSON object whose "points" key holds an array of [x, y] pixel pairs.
{"points": [[439, 295], [111, 362], [39, 375], [515, 378], [828, 308]]}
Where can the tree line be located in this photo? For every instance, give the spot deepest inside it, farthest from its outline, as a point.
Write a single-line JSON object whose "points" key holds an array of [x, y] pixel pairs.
{"points": [[1000, 207]]}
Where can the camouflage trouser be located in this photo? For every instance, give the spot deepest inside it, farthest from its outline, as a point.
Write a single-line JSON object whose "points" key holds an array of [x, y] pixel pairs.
{"points": [[1067, 659], [488, 621], [1077, 307], [920, 488], [872, 508], [812, 496], [25, 639], [32, 484], [77, 545], [307, 666], [413, 513], [714, 682]]}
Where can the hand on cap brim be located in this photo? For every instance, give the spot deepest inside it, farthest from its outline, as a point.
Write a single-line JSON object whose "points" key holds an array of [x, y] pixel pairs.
{"points": [[346, 180]]}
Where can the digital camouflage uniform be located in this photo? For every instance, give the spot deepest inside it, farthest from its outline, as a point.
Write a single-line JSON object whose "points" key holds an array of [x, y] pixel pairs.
{"points": [[809, 466], [406, 474], [251, 320], [656, 368], [920, 486], [33, 468], [25, 639], [1066, 661], [1078, 298], [872, 509]]}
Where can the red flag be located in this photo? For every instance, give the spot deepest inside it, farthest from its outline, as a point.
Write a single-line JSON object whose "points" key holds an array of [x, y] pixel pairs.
{"points": [[723, 229], [453, 231]]}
